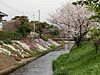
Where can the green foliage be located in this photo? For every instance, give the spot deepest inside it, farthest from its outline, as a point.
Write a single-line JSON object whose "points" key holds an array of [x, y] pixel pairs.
{"points": [[62, 44], [52, 47], [40, 26], [80, 61], [21, 18], [56, 33], [21, 31], [74, 3], [10, 35], [45, 38], [43, 28], [95, 33], [24, 29], [7, 41]]}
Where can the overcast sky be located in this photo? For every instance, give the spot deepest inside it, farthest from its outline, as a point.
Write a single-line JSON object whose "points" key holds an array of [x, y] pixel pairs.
{"points": [[28, 7]]}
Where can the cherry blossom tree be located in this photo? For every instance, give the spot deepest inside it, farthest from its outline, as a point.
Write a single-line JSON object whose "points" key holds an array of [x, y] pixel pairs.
{"points": [[74, 19]]}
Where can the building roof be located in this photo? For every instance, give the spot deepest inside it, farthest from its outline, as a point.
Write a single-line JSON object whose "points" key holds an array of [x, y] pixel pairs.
{"points": [[3, 14]]}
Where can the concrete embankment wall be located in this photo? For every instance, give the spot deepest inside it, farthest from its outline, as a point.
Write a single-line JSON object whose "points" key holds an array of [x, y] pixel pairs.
{"points": [[23, 62]]}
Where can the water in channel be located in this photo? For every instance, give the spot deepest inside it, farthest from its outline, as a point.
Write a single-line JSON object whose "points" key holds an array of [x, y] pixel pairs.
{"points": [[42, 65]]}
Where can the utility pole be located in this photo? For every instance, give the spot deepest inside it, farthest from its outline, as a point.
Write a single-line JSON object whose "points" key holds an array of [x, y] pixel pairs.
{"points": [[39, 15], [34, 22]]}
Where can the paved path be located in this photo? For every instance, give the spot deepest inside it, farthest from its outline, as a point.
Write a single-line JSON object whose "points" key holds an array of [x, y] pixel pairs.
{"points": [[43, 65]]}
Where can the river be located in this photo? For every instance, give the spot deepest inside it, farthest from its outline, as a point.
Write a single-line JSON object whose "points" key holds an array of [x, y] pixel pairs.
{"points": [[42, 65]]}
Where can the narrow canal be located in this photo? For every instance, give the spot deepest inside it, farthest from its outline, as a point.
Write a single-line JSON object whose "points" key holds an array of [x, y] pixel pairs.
{"points": [[41, 66]]}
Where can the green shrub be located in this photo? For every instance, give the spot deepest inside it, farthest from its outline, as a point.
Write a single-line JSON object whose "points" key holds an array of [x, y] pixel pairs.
{"points": [[45, 38], [10, 35], [7, 41], [62, 44], [24, 29], [55, 33], [52, 46]]}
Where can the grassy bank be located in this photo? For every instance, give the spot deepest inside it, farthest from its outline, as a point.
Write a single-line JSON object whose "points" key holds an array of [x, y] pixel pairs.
{"points": [[80, 61]]}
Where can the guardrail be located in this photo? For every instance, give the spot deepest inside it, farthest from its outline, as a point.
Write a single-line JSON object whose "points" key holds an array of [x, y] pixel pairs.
{"points": [[62, 39]]}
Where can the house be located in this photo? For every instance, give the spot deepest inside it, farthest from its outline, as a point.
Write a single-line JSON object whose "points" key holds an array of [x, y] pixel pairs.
{"points": [[1, 20], [2, 15]]}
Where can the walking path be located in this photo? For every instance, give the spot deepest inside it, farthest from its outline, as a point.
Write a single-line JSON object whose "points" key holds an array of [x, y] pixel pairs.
{"points": [[43, 65]]}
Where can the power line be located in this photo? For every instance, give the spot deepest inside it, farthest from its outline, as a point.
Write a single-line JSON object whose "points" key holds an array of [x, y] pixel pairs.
{"points": [[11, 7]]}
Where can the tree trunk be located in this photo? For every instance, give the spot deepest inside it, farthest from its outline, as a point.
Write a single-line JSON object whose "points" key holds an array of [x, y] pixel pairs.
{"points": [[77, 41], [96, 44]]}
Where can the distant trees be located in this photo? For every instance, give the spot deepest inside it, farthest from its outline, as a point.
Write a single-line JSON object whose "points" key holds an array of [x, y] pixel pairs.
{"points": [[22, 19], [40, 26], [22, 26], [74, 19], [24, 29], [43, 29], [18, 24]]}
